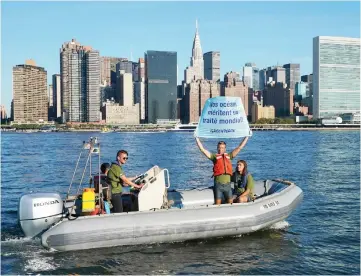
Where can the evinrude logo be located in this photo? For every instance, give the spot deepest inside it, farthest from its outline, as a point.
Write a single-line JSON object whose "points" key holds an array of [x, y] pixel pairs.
{"points": [[46, 203]]}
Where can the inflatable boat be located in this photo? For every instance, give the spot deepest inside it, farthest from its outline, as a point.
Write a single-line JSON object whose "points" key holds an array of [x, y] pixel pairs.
{"points": [[162, 215]]}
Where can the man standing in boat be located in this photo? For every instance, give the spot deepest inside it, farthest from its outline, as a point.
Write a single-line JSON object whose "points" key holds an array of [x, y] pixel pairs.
{"points": [[117, 179], [222, 169]]}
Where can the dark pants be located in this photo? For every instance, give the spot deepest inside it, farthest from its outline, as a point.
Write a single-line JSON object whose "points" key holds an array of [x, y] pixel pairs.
{"points": [[222, 191], [130, 202], [117, 203]]}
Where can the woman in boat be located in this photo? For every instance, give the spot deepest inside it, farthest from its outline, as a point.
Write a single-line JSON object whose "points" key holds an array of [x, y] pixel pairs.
{"points": [[104, 168], [243, 183]]}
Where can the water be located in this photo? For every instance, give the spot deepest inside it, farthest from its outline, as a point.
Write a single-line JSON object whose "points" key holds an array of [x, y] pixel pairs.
{"points": [[322, 236]]}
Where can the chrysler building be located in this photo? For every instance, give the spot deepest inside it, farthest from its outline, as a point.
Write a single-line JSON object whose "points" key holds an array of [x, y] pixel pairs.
{"points": [[195, 71]]}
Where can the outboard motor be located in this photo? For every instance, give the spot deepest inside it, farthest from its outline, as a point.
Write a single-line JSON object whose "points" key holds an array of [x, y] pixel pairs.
{"points": [[38, 211]]}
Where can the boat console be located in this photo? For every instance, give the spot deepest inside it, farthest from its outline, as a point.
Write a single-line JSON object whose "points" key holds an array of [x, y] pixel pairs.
{"points": [[153, 194]]}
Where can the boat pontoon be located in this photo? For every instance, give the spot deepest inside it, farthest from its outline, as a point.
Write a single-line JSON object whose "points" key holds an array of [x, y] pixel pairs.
{"points": [[162, 215]]}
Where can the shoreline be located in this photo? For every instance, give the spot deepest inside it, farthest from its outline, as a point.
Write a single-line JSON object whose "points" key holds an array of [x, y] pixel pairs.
{"points": [[161, 130]]}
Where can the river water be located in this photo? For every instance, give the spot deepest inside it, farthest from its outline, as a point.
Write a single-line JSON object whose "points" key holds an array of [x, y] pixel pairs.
{"points": [[322, 236]]}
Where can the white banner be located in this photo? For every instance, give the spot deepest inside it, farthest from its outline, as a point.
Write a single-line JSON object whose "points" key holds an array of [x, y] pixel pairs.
{"points": [[223, 117]]}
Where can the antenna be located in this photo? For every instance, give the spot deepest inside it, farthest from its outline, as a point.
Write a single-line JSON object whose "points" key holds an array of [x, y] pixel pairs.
{"points": [[197, 25]]}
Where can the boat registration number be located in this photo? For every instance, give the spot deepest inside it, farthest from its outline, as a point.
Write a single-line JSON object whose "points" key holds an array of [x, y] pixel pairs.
{"points": [[270, 205]]}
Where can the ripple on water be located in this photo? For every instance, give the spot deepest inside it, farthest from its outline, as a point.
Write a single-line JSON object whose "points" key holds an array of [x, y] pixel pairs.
{"points": [[320, 237]]}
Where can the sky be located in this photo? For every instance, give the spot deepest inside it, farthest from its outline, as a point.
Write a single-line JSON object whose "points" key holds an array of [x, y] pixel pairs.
{"points": [[266, 33]]}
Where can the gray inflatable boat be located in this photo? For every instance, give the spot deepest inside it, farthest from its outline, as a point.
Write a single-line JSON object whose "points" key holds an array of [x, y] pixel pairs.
{"points": [[163, 215]]}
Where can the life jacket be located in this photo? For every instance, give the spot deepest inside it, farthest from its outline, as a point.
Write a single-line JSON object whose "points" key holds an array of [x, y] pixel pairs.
{"points": [[222, 165], [97, 211], [240, 181]]}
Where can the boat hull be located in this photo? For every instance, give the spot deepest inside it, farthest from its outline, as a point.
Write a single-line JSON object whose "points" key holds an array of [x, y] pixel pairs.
{"points": [[172, 225]]}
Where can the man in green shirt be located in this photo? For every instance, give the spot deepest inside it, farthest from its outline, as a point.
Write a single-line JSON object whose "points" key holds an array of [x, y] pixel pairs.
{"points": [[222, 169], [117, 179]]}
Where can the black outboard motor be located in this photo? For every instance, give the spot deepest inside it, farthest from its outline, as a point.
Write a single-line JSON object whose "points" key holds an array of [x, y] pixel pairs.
{"points": [[38, 211]]}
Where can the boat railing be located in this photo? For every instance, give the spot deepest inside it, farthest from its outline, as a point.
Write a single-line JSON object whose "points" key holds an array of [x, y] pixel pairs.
{"points": [[168, 181], [92, 147]]}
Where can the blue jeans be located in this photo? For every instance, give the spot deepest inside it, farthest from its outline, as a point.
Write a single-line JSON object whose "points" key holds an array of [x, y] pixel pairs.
{"points": [[223, 190]]}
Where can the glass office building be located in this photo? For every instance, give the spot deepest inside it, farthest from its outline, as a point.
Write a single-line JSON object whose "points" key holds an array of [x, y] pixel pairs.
{"points": [[212, 64], [292, 74], [301, 89], [255, 79], [161, 85], [336, 76], [262, 79]]}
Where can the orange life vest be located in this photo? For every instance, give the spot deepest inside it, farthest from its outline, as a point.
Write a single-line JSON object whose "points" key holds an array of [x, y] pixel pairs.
{"points": [[222, 165]]}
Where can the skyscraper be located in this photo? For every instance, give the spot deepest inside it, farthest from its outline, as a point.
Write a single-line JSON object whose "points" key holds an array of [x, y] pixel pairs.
{"points": [[336, 76], [197, 92], [307, 78], [279, 74], [255, 78], [50, 95], [50, 103], [135, 71], [262, 79], [108, 68], [139, 89], [3, 113], [251, 75], [141, 68], [80, 80], [124, 88], [161, 85], [281, 97], [139, 97], [212, 65], [301, 89], [191, 102], [125, 65], [30, 93], [12, 110], [196, 69], [234, 87], [56, 95], [71, 54], [93, 86], [247, 74], [292, 74]]}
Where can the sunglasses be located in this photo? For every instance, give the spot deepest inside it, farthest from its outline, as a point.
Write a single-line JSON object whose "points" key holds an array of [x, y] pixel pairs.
{"points": [[125, 158]]}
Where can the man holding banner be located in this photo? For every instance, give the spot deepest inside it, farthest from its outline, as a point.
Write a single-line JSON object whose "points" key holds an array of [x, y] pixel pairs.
{"points": [[222, 117], [222, 169]]}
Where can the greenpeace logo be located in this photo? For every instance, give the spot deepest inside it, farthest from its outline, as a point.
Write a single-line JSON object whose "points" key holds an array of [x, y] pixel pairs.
{"points": [[46, 203]]}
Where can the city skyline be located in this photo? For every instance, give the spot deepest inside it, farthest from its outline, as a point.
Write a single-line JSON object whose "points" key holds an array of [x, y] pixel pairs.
{"points": [[172, 31]]}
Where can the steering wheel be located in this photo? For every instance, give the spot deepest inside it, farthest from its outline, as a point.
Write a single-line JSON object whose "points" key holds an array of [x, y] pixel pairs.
{"points": [[139, 179]]}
